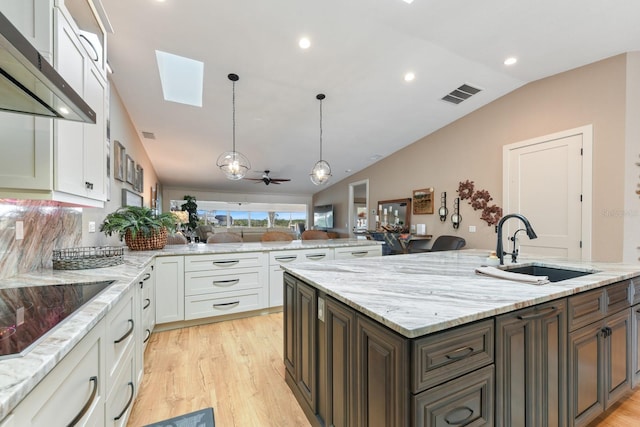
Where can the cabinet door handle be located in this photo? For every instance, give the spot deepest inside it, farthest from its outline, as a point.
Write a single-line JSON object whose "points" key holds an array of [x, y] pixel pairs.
{"points": [[122, 338], [147, 303], [286, 258], [359, 253], [88, 404], [539, 314], [146, 277], [461, 421], [95, 56], [226, 263], [133, 392], [460, 353], [315, 256], [147, 337], [227, 304], [229, 282], [88, 185]]}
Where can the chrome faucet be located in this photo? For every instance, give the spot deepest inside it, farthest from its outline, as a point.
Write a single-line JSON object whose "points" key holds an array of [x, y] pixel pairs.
{"points": [[530, 233]]}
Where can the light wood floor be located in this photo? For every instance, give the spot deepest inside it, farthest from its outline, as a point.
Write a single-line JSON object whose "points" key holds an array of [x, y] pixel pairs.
{"points": [[236, 367]]}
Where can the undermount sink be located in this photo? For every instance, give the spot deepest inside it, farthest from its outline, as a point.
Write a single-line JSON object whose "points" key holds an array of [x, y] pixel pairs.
{"points": [[555, 274]]}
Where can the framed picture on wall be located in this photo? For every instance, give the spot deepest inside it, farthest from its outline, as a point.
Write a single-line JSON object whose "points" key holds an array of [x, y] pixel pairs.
{"points": [[139, 184], [423, 201], [131, 170], [118, 161], [129, 198]]}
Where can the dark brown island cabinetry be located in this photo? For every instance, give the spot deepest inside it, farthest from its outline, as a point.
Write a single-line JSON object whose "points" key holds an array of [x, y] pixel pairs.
{"points": [[346, 369]]}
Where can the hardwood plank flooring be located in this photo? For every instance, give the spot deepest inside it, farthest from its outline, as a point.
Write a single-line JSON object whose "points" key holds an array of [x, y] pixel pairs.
{"points": [[235, 366]]}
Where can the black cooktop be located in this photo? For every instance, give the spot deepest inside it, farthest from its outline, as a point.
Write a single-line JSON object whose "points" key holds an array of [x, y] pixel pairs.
{"points": [[28, 313]]}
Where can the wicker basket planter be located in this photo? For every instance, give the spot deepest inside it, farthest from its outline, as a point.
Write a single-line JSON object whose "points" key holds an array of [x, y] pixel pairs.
{"points": [[155, 241]]}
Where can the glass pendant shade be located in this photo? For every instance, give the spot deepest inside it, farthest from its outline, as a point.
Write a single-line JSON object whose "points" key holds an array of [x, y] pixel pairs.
{"points": [[233, 164], [320, 173]]}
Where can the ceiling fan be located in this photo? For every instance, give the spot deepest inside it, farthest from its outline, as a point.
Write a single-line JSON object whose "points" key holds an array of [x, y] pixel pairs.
{"points": [[268, 180]]}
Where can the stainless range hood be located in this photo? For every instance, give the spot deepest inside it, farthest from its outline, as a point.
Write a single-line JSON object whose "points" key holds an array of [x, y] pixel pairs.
{"points": [[30, 85]]}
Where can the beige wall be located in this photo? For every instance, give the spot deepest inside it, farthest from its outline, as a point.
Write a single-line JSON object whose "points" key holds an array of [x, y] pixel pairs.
{"points": [[122, 130], [471, 148]]}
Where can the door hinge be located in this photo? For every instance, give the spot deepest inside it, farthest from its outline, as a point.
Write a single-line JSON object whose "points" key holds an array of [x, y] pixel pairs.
{"points": [[581, 198], [580, 244], [581, 151]]}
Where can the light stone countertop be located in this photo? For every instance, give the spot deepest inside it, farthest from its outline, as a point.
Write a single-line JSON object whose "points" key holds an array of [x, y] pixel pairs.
{"points": [[419, 294], [19, 375]]}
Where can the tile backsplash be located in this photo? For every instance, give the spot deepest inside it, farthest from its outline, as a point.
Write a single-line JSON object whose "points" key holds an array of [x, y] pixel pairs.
{"points": [[46, 225]]}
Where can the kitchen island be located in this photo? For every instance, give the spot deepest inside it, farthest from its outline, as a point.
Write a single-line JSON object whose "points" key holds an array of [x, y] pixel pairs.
{"points": [[422, 340]]}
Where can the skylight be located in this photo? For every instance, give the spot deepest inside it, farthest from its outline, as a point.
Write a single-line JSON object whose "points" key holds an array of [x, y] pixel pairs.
{"points": [[181, 78]]}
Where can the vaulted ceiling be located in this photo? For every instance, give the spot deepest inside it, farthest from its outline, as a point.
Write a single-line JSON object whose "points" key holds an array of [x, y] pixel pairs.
{"points": [[359, 54]]}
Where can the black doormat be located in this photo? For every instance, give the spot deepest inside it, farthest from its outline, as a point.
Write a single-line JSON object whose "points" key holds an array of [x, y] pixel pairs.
{"points": [[201, 418]]}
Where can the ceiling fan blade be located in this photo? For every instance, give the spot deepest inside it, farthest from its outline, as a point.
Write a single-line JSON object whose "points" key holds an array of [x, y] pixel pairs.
{"points": [[280, 179]]}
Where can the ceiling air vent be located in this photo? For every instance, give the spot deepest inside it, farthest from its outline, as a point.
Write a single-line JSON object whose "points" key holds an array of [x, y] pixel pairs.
{"points": [[148, 135], [460, 94]]}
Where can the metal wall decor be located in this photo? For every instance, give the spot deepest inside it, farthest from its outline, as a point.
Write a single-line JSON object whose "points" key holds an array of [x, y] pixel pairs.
{"points": [[456, 218], [423, 201], [443, 211]]}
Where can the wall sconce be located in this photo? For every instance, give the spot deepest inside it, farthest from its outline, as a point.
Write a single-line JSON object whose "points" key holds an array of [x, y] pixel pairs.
{"points": [[456, 218], [443, 211]]}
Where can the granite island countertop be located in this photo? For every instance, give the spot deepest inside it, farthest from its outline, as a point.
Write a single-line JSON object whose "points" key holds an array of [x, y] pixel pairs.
{"points": [[19, 375], [419, 294]]}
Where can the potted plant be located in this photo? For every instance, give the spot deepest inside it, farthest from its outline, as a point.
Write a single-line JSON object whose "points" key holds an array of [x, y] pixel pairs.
{"points": [[139, 227]]}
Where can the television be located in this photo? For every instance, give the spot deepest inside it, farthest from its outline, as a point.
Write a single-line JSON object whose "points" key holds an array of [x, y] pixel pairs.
{"points": [[323, 217]]}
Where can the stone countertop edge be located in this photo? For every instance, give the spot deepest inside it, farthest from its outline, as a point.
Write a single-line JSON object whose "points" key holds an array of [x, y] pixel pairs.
{"points": [[419, 294], [19, 375]]}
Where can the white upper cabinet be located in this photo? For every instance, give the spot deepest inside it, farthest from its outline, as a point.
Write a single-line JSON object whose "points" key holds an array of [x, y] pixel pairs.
{"points": [[52, 159]]}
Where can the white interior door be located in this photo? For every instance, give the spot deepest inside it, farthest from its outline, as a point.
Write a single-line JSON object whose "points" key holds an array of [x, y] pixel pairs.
{"points": [[544, 181]]}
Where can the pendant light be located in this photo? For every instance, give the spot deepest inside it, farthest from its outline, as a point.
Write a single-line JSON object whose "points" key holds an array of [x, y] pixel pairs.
{"points": [[234, 164], [321, 171]]}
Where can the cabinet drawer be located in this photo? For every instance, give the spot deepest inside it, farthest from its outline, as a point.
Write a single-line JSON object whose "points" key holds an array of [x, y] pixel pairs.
{"points": [[197, 283], [358, 252], [223, 261], [120, 400], [200, 306], [595, 305], [120, 324], [586, 308], [304, 255], [450, 354], [465, 401]]}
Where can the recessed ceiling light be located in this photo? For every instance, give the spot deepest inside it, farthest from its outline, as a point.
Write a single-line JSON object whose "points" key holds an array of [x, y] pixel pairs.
{"points": [[304, 43], [408, 1], [375, 157], [348, 171], [511, 60], [409, 77]]}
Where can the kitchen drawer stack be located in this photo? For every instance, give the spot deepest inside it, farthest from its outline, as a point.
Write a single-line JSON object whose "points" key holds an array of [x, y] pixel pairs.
{"points": [[225, 284]]}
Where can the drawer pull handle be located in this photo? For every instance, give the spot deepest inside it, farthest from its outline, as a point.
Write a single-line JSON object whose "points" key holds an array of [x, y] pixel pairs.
{"points": [[147, 303], [460, 421], [226, 263], [460, 353], [146, 277], [122, 338], [286, 258], [227, 305], [229, 282], [316, 256], [133, 392], [539, 314], [359, 253], [87, 405], [147, 337]]}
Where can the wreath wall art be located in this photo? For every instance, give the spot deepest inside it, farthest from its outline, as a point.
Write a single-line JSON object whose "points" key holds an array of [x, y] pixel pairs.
{"points": [[479, 201]]}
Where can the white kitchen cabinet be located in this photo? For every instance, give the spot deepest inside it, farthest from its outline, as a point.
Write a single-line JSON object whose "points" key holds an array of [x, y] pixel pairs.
{"points": [[635, 357], [278, 258], [146, 316], [223, 284], [120, 337], [73, 393], [169, 289], [353, 252], [120, 400], [52, 159]]}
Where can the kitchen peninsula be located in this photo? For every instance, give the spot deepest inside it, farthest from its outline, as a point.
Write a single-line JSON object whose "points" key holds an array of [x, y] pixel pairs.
{"points": [[422, 340], [90, 364]]}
